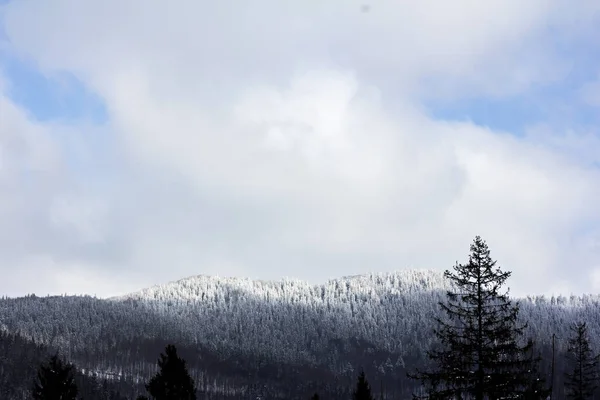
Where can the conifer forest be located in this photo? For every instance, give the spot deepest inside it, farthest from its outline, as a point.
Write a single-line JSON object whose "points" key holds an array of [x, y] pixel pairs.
{"points": [[414, 334]]}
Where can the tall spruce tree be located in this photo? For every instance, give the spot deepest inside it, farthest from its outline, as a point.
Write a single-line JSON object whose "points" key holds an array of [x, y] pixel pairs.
{"points": [[582, 380], [55, 381], [172, 382], [480, 354], [363, 389]]}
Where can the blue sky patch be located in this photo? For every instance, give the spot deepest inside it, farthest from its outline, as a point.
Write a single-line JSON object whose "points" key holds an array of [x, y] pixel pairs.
{"points": [[559, 105], [59, 96]]}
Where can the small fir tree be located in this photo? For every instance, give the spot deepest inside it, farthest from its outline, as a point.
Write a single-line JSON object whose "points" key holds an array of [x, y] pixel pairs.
{"points": [[535, 387], [172, 382], [363, 389], [582, 380], [55, 381]]}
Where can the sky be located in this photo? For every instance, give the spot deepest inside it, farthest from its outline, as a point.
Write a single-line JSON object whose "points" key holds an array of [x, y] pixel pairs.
{"points": [[145, 141]]}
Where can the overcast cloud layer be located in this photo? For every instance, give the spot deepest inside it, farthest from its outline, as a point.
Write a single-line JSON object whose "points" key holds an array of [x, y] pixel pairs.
{"points": [[302, 139]]}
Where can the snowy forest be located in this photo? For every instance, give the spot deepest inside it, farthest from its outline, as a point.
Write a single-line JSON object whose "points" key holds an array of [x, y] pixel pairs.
{"points": [[245, 339]]}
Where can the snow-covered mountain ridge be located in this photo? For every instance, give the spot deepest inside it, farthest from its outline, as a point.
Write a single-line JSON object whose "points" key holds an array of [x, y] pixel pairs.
{"points": [[202, 287], [383, 321]]}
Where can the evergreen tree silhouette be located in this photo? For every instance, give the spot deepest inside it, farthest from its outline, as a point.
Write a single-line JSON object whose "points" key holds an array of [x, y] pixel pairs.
{"points": [[480, 354], [315, 397], [582, 380], [172, 382], [55, 381], [535, 387], [363, 389]]}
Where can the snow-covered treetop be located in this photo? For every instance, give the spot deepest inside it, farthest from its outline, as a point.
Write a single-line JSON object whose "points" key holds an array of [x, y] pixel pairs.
{"points": [[202, 287]]}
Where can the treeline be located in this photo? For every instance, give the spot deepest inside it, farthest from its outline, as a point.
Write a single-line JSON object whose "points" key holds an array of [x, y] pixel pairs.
{"points": [[280, 339], [481, 352], [20, 363], [56, 381]]}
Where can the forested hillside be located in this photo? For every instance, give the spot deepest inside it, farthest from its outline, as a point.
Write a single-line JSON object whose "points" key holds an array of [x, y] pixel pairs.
{"points": [[283, 339]]}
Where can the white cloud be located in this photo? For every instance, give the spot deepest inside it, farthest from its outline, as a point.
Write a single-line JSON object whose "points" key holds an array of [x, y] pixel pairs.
{"points": [[575, 146], [492, 46], [290, 140], [42, 275]]}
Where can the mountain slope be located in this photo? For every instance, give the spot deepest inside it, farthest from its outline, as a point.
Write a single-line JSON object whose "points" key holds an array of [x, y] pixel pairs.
{"points": [[288, 335]]}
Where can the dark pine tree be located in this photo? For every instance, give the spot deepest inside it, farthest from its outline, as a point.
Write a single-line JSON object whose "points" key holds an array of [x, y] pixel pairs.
{"points": [[315, 397], [172, 382], [55, 381], [581, 381], [480, 354], [535, 386], [363, 389]]}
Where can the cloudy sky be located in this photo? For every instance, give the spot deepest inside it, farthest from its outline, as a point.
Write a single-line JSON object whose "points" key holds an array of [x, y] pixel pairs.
{"points": [[146, 141]]}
